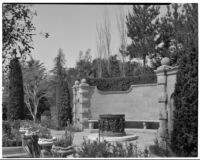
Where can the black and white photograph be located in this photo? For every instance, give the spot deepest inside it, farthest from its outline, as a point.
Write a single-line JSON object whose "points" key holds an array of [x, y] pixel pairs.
{"points": [[99, 80]]}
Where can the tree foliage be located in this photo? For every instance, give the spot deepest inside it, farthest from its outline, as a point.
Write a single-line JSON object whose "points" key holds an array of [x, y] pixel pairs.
{"points": [[185, 132], [17, 30], [84, 65], [15, 108], [171, 29], [63, 104], [35, 86], [142, 29]]}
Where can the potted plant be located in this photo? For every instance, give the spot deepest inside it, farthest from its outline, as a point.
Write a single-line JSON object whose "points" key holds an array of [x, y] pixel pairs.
{"points": [[63, 146]]}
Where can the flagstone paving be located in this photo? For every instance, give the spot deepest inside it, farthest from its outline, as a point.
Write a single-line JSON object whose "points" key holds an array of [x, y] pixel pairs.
{"points": [[145, 137]]}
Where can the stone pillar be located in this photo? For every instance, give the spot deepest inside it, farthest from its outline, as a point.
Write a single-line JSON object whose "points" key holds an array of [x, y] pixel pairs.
{"points": [[75, 99], [162, 99], [171, 81], [84, 104]]}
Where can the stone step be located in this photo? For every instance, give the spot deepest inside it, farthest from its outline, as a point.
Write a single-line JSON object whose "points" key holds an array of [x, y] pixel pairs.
{"points": [[15, 152]]}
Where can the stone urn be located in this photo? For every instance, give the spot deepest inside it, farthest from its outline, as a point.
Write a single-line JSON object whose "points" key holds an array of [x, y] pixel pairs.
{"points": [[165, 61], [59, 151], [30, 143], [112, 125], [46, 145]]}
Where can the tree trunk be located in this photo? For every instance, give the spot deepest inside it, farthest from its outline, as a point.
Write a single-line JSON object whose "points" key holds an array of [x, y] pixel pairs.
{"points": [[144, 60], [34, 118]]}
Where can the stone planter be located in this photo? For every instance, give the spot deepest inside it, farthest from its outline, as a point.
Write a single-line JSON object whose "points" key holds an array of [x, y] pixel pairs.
{"points": [[112, 125], [58, 151], [30, 143], [46, 145]]}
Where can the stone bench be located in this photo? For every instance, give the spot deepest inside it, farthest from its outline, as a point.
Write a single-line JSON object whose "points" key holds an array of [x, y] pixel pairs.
{"points": [[144, 122]]}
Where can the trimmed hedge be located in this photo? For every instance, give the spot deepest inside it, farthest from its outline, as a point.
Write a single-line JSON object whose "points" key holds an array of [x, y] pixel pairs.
{"points": [[121, 83]]}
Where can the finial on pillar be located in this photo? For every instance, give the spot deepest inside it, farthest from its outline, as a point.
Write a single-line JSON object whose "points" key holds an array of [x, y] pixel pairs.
{"points": [[83, 81], [165, 61], [76, 83]]}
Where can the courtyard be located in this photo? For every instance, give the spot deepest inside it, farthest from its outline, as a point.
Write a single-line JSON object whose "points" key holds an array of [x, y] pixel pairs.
{"points": [[99, 80]]}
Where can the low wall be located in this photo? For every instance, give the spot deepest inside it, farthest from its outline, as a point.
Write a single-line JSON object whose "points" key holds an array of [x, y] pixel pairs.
{"points": [[138, 103], [141, 102]]}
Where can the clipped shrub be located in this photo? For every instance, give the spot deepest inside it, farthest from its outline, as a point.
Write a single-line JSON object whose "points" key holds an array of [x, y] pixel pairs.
{"points": [[121, 83], [16, 92]]}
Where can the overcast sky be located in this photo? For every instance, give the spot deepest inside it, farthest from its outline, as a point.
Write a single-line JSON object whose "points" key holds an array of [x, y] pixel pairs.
{"points": [[72, 28]]}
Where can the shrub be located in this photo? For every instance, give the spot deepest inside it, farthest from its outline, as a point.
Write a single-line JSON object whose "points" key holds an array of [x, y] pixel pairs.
{"points": [[105, 149], [46, 113], [26, 123], [16, 92], [64, 106], [6, 128], [46, 121], [42, 132], [66, 140], [121, 84], [157, 150], [185, 133], [11, 135]]}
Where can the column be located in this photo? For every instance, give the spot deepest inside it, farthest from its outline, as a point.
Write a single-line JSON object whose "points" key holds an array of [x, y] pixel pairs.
{"points": [[74, 111], [162, 100], [84, 104]]}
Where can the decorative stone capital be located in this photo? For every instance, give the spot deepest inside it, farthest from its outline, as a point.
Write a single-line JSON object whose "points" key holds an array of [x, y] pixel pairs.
{"points": [[172, 70], [83, 83], [76, 83], [75, 86], [162, 69]]}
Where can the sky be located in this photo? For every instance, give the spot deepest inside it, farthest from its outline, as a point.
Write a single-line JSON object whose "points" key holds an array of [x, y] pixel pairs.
{"points": [[73, 29]]}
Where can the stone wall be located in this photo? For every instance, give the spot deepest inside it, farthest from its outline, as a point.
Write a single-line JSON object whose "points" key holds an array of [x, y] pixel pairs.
{"points": [[140, 102]]}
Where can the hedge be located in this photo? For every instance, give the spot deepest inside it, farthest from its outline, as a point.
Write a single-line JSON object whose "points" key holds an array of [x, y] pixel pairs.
{"points": [[121, 83], [185, 133]]}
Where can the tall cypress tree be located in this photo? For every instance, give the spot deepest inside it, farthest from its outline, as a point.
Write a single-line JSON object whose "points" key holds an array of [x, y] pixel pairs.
{"points": [[63, 104], [64, 108], [185, 132], [16, 92]]}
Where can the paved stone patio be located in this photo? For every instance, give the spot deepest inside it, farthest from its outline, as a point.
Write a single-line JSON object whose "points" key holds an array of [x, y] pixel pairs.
{"points": [[146, 137]]}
